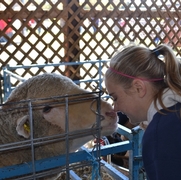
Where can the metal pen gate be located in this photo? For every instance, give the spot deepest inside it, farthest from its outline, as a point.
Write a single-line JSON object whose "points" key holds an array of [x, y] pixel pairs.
{"points": [[11, 74], [61, 163]]}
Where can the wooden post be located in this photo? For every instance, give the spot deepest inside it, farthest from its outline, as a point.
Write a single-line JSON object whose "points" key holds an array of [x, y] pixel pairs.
{"points": [[71, 39]]}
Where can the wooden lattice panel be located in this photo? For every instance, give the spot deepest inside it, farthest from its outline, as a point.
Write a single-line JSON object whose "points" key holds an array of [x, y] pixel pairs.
{"points": [[55, 31]]}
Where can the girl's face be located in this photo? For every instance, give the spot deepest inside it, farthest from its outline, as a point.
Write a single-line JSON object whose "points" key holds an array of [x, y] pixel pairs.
{"points": [[126, 101]]}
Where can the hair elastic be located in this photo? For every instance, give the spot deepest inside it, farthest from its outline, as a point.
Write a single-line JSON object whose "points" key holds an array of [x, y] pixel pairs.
{"points": [[156, 52], [133, 77]]}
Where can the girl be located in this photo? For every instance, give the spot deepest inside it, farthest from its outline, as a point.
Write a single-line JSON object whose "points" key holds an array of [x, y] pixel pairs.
{"points": [[146, 86]]}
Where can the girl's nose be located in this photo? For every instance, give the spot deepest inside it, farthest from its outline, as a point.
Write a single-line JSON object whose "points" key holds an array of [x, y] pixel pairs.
{"points": [[112, 114], [115, 108]]}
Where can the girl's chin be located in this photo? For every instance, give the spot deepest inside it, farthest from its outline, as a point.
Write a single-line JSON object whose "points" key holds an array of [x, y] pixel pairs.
{"points": [[135, 123]]}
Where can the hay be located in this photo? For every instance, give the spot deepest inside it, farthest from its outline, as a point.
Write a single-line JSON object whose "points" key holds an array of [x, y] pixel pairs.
{"points": [[85, 173]]}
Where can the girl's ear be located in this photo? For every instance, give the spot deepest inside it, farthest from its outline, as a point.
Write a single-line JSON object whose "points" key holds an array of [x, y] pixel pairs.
{"points": [[139, 87]]}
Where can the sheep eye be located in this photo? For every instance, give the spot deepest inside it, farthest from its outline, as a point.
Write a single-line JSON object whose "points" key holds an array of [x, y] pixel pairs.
{"points": [[47, 109]]}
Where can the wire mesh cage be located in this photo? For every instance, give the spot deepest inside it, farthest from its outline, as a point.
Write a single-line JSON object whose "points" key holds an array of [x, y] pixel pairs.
{"points": [[48, 155], [28, 154], [40, 149]]}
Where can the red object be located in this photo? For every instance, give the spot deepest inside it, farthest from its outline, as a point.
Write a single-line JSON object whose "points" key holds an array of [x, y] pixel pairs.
{"points": [[31, 22], [3, 24], [122, 23], [101, 141]]}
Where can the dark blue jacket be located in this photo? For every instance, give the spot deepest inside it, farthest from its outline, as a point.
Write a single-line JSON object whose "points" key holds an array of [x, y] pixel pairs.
{"points": [[162, 146]]}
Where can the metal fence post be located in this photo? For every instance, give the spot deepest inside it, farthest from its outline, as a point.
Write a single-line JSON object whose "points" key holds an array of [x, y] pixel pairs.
{"points": [[6, 83], [135, 162]]}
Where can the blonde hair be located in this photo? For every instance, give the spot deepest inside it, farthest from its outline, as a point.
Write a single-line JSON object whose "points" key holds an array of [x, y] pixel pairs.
{"points": [[137, 61]]}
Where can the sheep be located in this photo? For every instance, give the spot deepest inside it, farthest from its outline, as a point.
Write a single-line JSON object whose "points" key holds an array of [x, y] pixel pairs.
{"points": [[50, 119]]}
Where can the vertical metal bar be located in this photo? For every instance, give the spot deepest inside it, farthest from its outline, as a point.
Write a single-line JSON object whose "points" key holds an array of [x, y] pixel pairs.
{"points": [[131, 158], [136, 154], [6, 83], [67, 137], [99, 112], [98, 133], [32, 138], [100, 73], [98, 122]]}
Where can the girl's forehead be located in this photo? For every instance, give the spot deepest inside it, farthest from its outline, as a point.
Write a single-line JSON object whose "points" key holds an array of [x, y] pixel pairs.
{"points": [[110, 85], [113, 88]]}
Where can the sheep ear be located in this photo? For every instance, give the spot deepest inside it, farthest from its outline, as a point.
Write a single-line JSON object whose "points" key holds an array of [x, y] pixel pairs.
{"points": [[22, 127]]}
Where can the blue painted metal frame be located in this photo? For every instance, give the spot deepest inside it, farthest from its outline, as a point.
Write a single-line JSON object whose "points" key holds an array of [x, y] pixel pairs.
{"points": [[135, 154], [7, 74], [49, 163], [133, 144]]}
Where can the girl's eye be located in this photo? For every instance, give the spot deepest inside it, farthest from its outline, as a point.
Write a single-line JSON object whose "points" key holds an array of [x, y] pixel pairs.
{"points": [[114, 99]]}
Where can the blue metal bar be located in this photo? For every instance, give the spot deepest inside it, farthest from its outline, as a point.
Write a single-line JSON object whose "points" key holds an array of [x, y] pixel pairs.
{"points": [[67, 137], [100, 78], [116, 148], [56, 64], [134, 145], [40, 165], [6, 83], [125, 131], [7, 73], [74, 176], [32, 137], [54, 162], [114, 172], [136, 164], [14, 75]]}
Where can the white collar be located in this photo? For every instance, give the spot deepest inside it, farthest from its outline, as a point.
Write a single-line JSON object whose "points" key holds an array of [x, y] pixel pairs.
{"points": [[169, 98]]}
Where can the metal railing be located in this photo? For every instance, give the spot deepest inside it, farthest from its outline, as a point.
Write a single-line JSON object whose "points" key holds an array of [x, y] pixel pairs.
{"points": [[39, 168], [7, 74]]}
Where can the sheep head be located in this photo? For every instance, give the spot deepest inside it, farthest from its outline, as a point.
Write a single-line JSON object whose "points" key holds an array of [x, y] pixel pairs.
{"points": [[49, 119]]}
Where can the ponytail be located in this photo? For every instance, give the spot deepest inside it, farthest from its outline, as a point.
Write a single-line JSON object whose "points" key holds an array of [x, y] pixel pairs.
{"points": [[172, 75]]}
